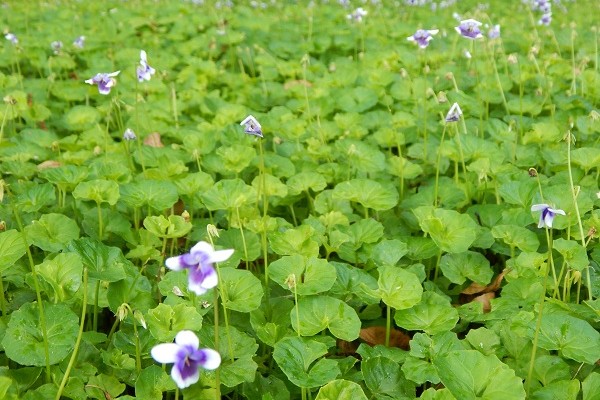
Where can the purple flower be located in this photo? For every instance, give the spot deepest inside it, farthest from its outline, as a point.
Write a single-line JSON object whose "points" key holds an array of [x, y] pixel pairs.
{"points": [[56, 46], [357, 15], [144, 71], [494, 32], [469, 29], [545, 19], [251, 126], [105, 81], [12, 38], [129, 135], [186, 358], [547, 215], [454, 113], [199, 261], [422, 37], [79, 42]]}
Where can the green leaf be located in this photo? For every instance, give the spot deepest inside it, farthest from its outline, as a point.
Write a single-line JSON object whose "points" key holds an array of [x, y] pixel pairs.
{"points": [[104, 386], [34, 197], [384, 377], [165, 321], [518, 192], [543, 132], [266, 387], [67, 176], [369, 193], [239, 371], [316, 313], [341, 389], [272, 330], [573, 253], [232, 239], [229, 194], [80, 118], [240, 290], [175, 226], [517, 236], [300, 360], [591, 386], [358, 99], [399, 288], [98, 190], [484, 340], [470, 265], [434, 314], [103, 262], [152, 382], [576, 339], [304, 181], [313, 275], [52, 232], [63, 274], [451, 231], [158, 195], [295, 241], [567, 390], [273, 186], [389, 251], [23, 338], [12, 247], [468, 374]]}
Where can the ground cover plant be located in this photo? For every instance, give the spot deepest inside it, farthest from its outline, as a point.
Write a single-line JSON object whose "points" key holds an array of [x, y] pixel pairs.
{"points": [[299, 200]]}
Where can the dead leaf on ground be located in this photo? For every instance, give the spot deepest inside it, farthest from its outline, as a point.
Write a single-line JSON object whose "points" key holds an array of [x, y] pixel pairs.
{"points": [[153, 140], [290, 84], [48, 164], [485, 300], [373, 336], [475, 288]]}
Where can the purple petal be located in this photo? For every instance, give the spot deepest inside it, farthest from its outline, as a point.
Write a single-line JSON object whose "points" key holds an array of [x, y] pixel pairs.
{"points": [[174, 263], [207, 358], [185, 373]]}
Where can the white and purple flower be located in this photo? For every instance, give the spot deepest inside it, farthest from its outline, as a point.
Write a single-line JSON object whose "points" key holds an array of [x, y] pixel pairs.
{"points": [[454, 113], [547, 215], [11, 37], [144, 71], [494, 32], [546, 19], [251, 126], [129, 135], [357, 15], [79, 42], [56, 46], [186, 358], [104, 81], [199, 263], [422, 37], [469, 28]]}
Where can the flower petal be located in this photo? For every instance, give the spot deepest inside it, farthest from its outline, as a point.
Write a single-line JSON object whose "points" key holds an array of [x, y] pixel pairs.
{"points": [[114, 73], [196, 287], [212, 359], [220, 255], [539, 207], [187, 338], [174, 263], [557, 211], [190, 377], [211, 279], [165, 353], [548, 219], [202, 247]]}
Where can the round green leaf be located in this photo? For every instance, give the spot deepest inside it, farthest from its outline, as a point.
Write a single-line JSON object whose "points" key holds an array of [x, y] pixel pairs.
{"points": [[341, 389], [304, 181], [173, 227], [434, 314], [369, 193], [63, 274], [399, 288], [80, 118], [313, 275], [229, 194], [517, 236], [451, 231], [459, 267], [23, 339], [158, 195], [12, 247], [316, 313], [52, 232], [240, 290], [165, 321], [98, 190]]}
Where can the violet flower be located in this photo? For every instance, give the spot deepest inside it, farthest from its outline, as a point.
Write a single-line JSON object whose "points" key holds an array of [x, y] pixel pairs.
{"points": [[422, 37], [129, 135], [199, 261], [251, 126], [56, 46], [546, 19], [11, 37], [454, 113], [186, 357], [547, 215], [357, 15], [79, 42], [144, 71], [105, 81], [469, 29], [494, 32]]}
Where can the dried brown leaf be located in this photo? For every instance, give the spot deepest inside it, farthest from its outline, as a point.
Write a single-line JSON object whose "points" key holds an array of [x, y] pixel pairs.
{"points": [[485, 300], [153, 140], [375, 335], [48, 164], [475, 288]]}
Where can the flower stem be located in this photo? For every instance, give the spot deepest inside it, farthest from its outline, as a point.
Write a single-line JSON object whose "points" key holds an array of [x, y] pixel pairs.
{"points": [[79, 336], [437, 168], [237, 211], [388, 324]]}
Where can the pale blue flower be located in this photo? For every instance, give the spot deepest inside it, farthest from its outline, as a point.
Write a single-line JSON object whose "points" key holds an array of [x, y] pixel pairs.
{"points": [[199, 263], [79, 42], [105, 81], [144, 71], [547, 215], [469, 29], [56, 46], [454, 113], [422, 37], [251, 126], [357, 15], [129, 135], [11, 37], [186, 357]]}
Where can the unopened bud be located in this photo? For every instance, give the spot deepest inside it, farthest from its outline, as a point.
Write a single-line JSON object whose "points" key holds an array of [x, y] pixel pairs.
{"points": [[212, 230], [139, 317], [290, 281], [532, 172], [186, 215]]}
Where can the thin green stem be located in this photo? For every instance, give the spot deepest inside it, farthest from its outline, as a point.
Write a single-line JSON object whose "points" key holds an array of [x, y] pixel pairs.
{"points": [[388, 325], [2, 298], [96, 296], [437, 168], [237, 211], [63, 383]]}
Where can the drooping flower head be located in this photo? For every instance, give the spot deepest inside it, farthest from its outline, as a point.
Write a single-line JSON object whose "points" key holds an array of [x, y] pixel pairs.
{"points": [[251, 126], [129, 135], [469, 29], [547, 215], [11, 37], [454, 113], [79, 42], [186, 358], [56, 46], [546, 19], [199, 263], [357, 15], [422, 37], [105, 81], [144, 71]]}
